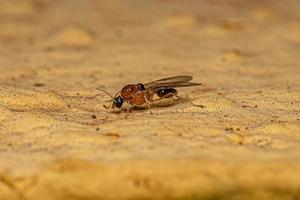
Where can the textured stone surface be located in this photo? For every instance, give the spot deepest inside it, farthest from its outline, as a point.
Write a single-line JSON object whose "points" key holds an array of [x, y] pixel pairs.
{"points": [[235, 137]]}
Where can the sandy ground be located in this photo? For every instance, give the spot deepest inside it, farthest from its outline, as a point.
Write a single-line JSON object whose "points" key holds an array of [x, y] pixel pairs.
{"points": [[240, 139]]}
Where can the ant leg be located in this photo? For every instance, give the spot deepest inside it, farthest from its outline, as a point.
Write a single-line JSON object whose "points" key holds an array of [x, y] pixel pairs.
{"points": [[148, 104], [179, 97], [182, 99], [128, 109]]}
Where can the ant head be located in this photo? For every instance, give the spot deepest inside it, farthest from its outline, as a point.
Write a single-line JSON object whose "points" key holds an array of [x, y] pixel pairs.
{"points": [[118, 101], [114, 101]]}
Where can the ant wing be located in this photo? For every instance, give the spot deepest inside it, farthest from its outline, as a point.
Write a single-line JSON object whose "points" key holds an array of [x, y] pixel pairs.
{"points": [[175, 81]]}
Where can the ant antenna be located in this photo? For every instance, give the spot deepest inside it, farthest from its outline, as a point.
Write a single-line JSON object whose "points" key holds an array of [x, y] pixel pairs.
{"points": [[111, 97], [105, 93]]}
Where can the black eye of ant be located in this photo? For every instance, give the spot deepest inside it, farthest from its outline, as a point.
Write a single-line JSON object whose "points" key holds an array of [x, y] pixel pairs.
{"points": [[141, 86], [118, 101]]}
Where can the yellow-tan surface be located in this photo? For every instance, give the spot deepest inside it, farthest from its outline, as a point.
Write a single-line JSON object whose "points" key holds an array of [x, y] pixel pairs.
{"points": [[238, 140]]}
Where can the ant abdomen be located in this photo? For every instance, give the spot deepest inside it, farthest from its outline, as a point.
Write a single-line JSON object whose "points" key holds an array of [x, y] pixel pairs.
{"points": [[166, 92]]}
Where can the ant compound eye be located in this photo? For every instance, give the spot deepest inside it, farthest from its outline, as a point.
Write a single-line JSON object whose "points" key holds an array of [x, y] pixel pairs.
{"points": [[118, 101], [141, 86]]}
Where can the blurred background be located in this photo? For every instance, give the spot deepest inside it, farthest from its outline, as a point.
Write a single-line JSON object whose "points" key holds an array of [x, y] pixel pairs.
{"points": [[238, 140], [123, 39]]}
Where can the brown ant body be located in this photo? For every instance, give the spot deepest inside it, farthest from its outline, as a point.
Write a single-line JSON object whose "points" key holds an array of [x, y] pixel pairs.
{"points": [[139, 94]]}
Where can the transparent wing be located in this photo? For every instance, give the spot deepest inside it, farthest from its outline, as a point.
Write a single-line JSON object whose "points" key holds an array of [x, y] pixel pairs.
{"points": [[170, 82]]}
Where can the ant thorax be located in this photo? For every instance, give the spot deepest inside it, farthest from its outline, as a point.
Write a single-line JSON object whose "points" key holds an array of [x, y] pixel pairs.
{"points": [[129, 91]]}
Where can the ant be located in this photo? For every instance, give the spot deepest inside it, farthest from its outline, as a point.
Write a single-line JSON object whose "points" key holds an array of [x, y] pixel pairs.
{"points": [[139, 94]]}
